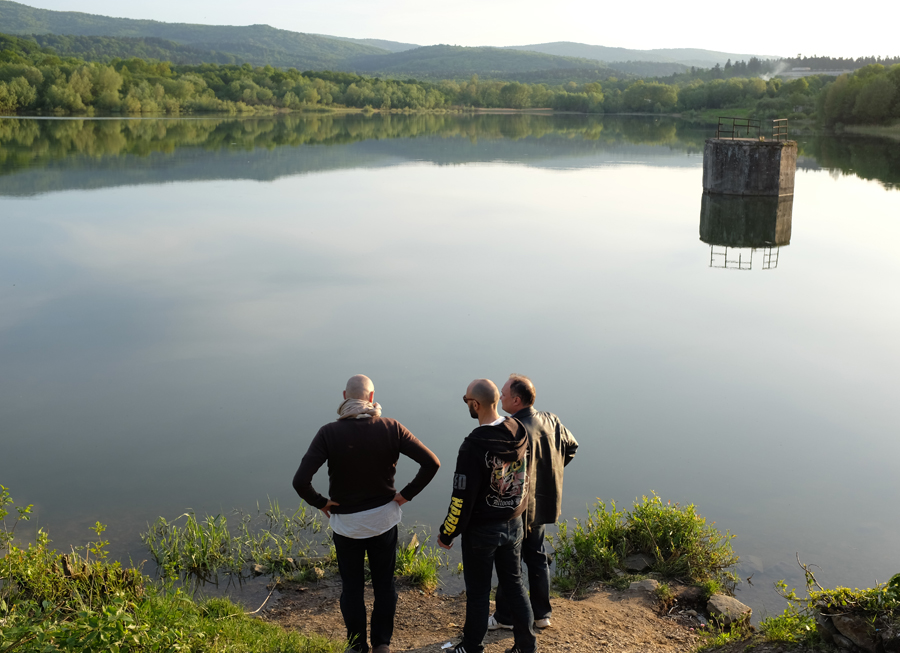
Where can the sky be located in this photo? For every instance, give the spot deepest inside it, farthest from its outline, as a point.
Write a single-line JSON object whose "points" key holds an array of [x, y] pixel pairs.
{"points": [[784, 29]]}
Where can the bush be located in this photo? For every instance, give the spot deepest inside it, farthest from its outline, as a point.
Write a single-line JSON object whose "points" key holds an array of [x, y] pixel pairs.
{"points": [[81, 603], [682, 545]]}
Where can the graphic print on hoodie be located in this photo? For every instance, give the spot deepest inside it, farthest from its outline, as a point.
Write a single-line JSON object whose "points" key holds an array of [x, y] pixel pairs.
{"points": [[507, 487], [490, 481]]}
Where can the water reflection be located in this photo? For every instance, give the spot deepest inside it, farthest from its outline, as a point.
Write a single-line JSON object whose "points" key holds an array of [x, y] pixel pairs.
{"points": [[737, 228], [156, 147], [877, 159]]}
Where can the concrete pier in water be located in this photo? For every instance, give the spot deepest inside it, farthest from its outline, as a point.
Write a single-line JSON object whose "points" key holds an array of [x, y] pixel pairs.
{"points": [[743, 166]]}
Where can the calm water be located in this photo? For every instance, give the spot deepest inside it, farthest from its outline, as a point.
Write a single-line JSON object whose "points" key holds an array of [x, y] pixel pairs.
{"points": [[183, 300]]}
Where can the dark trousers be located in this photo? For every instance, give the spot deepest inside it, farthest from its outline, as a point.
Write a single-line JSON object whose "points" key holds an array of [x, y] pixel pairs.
{"points": [[382, 551], [483, 547], [537, 560]]}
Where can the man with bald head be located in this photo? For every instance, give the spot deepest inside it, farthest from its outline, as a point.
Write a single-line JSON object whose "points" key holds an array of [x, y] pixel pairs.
{"points": [[489, 496], [552, 447], [362, 506]]}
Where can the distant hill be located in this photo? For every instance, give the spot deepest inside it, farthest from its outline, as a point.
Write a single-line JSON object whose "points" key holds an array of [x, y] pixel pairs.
{"points": [[685, 56], [99, 38], [105, 48], [454, 61], [390, 46], [256, 44]]}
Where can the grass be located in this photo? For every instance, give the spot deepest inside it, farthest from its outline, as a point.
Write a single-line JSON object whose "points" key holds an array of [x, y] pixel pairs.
{"points": [[681, 544], [421, 564], [204, 550], [200, 551], [80, 602]]}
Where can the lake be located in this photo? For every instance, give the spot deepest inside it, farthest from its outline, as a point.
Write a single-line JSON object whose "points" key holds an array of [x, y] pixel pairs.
{"points": [[184, 299]]}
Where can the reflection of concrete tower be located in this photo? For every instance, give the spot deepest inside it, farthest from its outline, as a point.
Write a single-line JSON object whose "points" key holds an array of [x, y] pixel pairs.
{"points": [[748, 193], [744, 225]]}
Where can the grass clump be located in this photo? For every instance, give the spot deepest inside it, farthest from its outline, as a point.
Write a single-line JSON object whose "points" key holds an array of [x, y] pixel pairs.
{"points": [[201, 550], [681, 544], [80, 602], [421, 564]]}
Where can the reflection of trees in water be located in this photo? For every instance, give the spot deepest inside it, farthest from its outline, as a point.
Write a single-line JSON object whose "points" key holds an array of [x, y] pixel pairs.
{"points": [[865, 157], [27, 143]]}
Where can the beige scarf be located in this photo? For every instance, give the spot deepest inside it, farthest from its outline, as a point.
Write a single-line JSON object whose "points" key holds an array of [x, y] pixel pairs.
{"points": [[358, 409]]}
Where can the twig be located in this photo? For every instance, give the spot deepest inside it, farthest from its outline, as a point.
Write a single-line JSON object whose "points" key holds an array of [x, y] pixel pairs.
{"points": [[810, 578], [274, 587]]}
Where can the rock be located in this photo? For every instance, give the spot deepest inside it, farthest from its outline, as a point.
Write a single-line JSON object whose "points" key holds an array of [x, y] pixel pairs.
{"points": [[843, 643], [890, 642], [826, 629], [258, 570], [689, 594], [618, 572], [691, 613], [857, 630], [647, 585], [727, 610], [637, 562]]}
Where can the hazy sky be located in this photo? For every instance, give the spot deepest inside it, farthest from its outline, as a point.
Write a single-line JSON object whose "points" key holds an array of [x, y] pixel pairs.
{"points": [[775, 29]]}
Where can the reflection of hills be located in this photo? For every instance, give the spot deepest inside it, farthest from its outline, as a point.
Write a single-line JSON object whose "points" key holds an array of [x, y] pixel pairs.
{"points": [[39, 156], [44, 156]]}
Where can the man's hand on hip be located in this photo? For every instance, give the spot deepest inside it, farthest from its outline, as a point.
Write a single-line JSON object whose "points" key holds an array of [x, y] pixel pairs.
{"points": [[327, 507], [399, 499]]}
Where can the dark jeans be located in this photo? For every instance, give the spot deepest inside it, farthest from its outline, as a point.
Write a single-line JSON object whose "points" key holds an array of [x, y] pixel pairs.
{"points": [[483, 547], [382, 551], [537, 560]]}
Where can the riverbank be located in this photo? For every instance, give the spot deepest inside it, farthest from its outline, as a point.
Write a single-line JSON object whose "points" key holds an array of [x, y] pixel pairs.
{"points": [[603, 619]]}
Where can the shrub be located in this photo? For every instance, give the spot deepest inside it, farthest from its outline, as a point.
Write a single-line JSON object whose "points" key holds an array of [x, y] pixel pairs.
{"points": [[679, 541]]}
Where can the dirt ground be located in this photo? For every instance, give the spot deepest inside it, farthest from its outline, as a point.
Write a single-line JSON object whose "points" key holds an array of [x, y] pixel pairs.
{"points": [[603, 620]]}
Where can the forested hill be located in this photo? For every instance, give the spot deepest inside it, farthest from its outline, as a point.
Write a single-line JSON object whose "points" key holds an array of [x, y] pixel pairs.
{"points": [[256, 44], [107, 48], [458, 62], [684, 56], [390, 46]]}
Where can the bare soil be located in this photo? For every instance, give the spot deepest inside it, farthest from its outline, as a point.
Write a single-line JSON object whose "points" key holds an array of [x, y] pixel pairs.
{"points": [[603, 619]]}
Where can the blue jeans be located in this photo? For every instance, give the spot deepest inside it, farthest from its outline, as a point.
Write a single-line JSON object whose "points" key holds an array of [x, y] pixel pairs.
{"points": [[537, 560], [485, 546], [382, 551]]}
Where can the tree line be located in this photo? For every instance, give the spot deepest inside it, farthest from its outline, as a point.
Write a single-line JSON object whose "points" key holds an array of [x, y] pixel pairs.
{"points": [[33, 80]]}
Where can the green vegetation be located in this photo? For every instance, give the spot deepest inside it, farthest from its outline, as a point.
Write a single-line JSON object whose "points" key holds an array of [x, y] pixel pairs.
{"points": [[270, 542], [198, 551], [82, 603], [257, 44], [678, 540], [35, 80], [421, 565], [870, 96], [875, 613]]}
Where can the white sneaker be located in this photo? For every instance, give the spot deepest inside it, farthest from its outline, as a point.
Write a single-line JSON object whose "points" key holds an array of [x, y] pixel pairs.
{"points": [[542, 623], [493, 624]]}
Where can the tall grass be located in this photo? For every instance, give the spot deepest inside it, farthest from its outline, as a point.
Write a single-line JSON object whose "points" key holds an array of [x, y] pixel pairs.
{"points": [[201, 550], [421, 564], [681, 544], [80, 602]]}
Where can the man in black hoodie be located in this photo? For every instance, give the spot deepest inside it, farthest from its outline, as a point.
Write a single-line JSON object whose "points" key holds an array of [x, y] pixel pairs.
{"points": [[489, 496]]}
